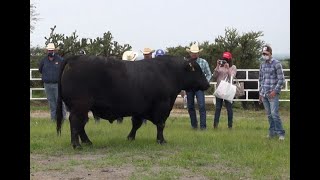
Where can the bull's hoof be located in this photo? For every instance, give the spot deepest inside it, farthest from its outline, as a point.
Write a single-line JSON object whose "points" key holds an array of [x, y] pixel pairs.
{"points": [[77, 147], [87, 143], [162, 142], [130, 138]]}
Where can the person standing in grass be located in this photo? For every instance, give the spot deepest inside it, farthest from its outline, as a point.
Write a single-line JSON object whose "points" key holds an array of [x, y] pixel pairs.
{"points": [[224, 69], [194, 52], [271, 81], [49, 68]]}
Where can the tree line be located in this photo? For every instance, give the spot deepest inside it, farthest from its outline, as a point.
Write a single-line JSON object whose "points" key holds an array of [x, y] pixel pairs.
{"points": [[245, 48]]}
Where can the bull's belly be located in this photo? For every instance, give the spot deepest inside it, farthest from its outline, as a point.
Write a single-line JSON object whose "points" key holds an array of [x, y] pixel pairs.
{"points": [[114, 113]]}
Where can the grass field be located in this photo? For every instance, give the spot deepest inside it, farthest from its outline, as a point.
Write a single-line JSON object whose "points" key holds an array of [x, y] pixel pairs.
{"points": [[240, 153]]}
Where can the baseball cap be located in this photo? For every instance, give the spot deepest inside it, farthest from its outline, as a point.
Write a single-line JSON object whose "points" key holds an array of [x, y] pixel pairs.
{"points": [[159, 52], [227, 55]]}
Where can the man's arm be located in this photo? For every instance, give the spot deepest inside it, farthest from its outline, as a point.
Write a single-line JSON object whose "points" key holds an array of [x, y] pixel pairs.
{"points": [[41, 65], [280, 77], [207, 71]]}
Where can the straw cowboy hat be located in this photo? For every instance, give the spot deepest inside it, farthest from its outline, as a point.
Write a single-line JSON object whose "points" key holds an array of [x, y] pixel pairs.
{"points": [[129, 55], [194, 48], [50, 46], [147, 51]]}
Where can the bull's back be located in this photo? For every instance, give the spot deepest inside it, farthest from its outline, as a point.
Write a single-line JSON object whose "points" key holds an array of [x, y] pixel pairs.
{"points": [[114, 83]]}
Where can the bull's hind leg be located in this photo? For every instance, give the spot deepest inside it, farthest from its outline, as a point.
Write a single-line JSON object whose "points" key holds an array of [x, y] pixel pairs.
{"points": [[74, 129], [77, 122], [83, 135], [136, 124]]}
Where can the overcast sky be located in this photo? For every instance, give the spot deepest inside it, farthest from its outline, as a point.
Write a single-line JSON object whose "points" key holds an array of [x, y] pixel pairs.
{"points": [[164, 23]]}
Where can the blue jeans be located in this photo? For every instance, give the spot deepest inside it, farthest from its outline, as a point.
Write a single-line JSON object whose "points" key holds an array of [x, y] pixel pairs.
{"points": [[52, 96], [218, 111], [271, 105], [202, 108]]}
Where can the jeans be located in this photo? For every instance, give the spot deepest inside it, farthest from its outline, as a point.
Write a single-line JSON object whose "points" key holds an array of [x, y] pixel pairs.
{"points": [[271, 105], [218, 111], [202, 109], [52, 96]]}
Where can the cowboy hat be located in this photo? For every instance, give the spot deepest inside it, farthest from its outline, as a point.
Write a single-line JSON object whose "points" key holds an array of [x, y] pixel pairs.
{"points": [[147, 51], [194, 48], [129, 55], [50, 46]]}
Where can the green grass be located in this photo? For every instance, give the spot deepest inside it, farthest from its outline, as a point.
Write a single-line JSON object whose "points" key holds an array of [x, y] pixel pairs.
{"points": [[241, 153]]}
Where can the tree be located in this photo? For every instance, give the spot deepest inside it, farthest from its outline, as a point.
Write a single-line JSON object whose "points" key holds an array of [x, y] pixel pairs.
{"points": [[71, 45], [33, 17], [106, 47], [245, 48]]}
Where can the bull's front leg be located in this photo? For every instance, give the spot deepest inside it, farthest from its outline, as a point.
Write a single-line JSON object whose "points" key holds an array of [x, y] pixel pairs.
{"points": [[136, 124], [160, 138]]}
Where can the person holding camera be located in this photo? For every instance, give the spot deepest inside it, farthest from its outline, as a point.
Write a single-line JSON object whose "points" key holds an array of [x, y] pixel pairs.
{"points": [[224, 69]]}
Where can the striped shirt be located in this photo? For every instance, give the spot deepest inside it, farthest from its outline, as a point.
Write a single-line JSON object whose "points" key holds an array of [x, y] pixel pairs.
{"points": [[205, 68], [271, 77]]}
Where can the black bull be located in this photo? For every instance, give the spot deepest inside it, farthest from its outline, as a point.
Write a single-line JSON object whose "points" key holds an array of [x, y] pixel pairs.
{"points": [[111, 88]]}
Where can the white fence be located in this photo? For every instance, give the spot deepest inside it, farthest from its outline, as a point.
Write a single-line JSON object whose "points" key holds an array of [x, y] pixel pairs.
{"points": [[286, 87]]}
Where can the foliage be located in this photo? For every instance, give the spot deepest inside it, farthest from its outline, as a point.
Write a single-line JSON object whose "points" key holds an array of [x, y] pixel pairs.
{"points": [[33, 16], [71, 45], [245, 48]]}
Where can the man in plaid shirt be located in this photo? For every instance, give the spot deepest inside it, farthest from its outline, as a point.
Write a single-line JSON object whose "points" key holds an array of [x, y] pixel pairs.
{"points": [[271, 80], [194, 55]]}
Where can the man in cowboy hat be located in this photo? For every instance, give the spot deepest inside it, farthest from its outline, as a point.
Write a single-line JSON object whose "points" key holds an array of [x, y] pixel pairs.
{"points": [[49, 69], [129, 56], [194, 56], [147, 53]]}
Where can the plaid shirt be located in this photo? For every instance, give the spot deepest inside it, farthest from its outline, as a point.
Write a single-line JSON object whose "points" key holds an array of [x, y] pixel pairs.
{"points": [[205, 68], [270, 77]]}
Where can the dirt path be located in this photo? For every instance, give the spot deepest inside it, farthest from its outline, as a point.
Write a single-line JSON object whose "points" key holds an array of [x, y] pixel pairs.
{"points": [[57, 168]]}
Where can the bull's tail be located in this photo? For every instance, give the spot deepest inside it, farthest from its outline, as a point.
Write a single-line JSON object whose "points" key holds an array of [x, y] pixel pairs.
{"points": [[59, 113]]}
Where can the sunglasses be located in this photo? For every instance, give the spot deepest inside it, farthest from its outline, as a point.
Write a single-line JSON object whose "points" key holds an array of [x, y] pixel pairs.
{"points": [[265, 54]]}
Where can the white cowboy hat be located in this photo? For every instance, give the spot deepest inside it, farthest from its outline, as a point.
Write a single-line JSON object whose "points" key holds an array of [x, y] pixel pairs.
{"points": [[147, 51], [194, 48], [129, 55], [50, 46]]}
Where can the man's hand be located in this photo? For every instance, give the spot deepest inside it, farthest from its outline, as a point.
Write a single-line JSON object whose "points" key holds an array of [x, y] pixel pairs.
{"points": [[260, 99], [272, 94]]}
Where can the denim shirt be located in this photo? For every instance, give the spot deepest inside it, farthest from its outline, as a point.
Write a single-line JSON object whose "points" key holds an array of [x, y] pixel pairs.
{"points": [[205, 68], [50, 69]]}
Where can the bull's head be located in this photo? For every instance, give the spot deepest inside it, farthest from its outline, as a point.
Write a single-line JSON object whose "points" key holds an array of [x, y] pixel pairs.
{"points": [[194, 77]]}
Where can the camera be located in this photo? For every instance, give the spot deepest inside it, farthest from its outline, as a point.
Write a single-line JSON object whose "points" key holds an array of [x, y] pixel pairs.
{"points": [[222, 62]]}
